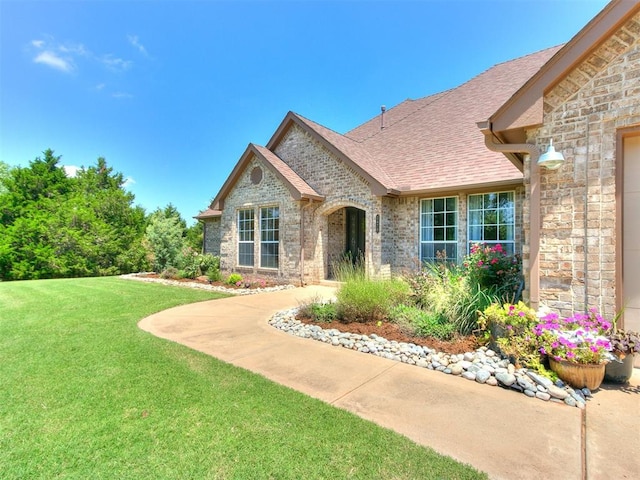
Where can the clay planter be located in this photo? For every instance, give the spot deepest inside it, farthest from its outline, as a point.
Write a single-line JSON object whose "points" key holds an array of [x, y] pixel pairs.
{"points": [[579, 375], [616, 372]]}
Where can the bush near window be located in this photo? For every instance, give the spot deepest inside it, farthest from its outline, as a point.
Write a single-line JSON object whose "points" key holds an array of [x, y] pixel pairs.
{"points": [[194, 264], [490, 267]]}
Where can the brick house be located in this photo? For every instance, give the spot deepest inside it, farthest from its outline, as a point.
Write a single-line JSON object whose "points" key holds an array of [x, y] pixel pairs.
{"points": [[448, 170]]}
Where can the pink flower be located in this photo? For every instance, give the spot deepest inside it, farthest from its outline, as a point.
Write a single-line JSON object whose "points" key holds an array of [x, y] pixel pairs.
{"points": [[494, 261], [480, 263]]}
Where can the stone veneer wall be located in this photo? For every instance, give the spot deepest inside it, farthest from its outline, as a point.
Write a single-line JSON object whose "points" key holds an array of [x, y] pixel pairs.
{"points": [[269, 192], [578, 208], [212, 234], [342, 187]]}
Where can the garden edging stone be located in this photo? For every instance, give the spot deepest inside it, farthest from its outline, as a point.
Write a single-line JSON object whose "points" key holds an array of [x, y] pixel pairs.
{"points": [[483, 365]]}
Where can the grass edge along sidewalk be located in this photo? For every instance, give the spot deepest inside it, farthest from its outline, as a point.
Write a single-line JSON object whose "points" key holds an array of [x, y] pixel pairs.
{"points": [[86, 394]]}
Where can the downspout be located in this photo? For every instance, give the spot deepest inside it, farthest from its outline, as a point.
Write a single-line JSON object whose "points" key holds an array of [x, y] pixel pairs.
{"points": [[534, 204], [302, 209], [586, 228]]}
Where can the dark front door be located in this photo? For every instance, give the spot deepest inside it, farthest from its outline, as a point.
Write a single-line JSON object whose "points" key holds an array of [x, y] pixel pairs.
{"points": [[355, 233]]}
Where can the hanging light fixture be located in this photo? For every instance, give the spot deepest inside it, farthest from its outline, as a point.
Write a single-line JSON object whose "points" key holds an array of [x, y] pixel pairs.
{"points": [[551, 159]]}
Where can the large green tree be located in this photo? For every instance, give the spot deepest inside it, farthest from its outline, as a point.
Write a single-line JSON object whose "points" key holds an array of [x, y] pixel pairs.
{"points": [[56, 226]]}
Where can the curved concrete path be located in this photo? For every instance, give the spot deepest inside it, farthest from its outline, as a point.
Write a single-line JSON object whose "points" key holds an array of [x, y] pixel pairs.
{"points": [[505, 434]]}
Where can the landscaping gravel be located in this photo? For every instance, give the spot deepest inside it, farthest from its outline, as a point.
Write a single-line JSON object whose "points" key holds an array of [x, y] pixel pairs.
{"points": [[483, 366]]}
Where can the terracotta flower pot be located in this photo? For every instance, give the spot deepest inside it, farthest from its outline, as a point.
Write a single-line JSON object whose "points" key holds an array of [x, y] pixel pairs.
{"points": [[616, 372], [579, 375]]}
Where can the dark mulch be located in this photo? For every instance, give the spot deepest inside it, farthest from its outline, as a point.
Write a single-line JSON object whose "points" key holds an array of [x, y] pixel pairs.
{"points": [[391, 331]]}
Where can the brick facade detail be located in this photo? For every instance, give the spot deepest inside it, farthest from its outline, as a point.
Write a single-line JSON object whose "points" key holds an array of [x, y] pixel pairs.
{"points": [[582, 115]]}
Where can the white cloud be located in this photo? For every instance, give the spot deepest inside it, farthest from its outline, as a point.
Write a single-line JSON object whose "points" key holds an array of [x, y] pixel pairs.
{"points": [[133, 40], [75, 49], [71, 170], [121, 95], [115, 63], [129, 181], [65, 56], [53, 60], [100, 86]]}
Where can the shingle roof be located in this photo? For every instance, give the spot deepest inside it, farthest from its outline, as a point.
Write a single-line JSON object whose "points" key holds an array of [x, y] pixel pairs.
{"points": [[298, 187], [433, 143], [208, 213]]}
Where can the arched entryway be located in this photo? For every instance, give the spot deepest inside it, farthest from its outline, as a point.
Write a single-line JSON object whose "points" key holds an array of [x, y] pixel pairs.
{"points": [[346, 237]]}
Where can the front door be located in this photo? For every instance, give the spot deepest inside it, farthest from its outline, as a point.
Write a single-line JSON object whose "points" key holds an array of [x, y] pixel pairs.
{"points": [[355, 233]]}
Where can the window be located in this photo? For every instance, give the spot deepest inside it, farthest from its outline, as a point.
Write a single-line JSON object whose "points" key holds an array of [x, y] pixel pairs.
{"points": [[492, 219], [245, 238], [269, 237], [439, 229]]}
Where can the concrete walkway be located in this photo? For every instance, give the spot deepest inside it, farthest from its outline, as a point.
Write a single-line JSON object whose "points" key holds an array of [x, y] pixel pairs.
{"points": [[505, 434]]}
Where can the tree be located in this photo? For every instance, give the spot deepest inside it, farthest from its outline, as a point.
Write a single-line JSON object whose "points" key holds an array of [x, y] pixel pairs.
{"points": [[4, 176], [55, 226], [164, 240], [195, 236]]}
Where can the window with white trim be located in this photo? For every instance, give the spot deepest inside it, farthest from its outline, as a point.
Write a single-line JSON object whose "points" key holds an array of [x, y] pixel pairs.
{"points": [[245, 237], [439, 229], [492, 219], [269, 236]]}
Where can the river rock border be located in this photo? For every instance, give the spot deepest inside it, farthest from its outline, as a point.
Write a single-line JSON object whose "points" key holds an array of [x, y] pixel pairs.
{"points": [[483, 366]]}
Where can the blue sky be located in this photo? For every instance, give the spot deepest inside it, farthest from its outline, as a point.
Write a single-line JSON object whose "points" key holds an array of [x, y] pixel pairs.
{"points": [[171, 93]]}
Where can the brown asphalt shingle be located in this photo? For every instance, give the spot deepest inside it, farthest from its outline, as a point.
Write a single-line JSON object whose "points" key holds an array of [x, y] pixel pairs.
{"points": [[434, 143], [301, 187]]}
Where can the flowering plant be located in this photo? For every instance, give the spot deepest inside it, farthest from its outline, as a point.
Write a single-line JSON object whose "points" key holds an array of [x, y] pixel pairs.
{"points": [[491, 266], [580, 338], [507, 314], [508, 328]]}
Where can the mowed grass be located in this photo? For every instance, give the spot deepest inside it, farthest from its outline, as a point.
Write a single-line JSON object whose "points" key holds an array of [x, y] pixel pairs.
{"points": [[85, 394]]}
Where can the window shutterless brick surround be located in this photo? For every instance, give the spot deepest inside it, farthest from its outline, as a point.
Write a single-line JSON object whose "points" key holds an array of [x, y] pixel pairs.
{"points": [[582, 114]]}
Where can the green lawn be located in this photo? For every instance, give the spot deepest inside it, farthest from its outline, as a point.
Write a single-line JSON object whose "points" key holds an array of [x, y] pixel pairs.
{"points": [[85, 394]]}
